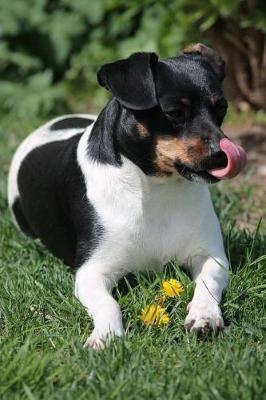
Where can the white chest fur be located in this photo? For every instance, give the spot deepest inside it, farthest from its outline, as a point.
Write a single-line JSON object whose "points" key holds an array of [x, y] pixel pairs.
{"points": [[146, 220]]}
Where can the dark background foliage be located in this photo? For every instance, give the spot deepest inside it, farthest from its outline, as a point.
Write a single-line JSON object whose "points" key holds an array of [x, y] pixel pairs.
{"points": [[50, 50]]}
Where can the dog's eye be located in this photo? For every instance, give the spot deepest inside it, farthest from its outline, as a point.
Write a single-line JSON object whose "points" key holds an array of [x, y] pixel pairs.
{"points": [[180, 111], [178, 115], [175, 113]]}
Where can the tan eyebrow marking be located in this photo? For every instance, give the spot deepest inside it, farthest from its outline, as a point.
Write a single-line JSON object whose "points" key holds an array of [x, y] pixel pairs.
{"points": [[142, 129]]}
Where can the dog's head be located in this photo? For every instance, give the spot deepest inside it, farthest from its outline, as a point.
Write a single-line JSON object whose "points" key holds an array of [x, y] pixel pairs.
{"points": [[178, 106]]}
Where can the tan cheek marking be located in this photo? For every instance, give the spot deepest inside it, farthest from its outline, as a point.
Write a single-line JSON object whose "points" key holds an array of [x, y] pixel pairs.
{"points": [[142, 130], [164, 164], [197, 150], [168, 150]]}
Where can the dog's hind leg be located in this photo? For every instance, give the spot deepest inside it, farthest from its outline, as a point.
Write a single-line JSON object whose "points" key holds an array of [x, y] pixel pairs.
{"points": [[92, 287]]}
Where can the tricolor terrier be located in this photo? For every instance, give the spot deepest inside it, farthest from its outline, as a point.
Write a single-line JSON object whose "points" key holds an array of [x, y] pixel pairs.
{"points": [[127, 191]]}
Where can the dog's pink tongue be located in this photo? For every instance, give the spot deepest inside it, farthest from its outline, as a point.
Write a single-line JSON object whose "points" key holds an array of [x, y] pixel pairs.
{"points": [[236, 160]]}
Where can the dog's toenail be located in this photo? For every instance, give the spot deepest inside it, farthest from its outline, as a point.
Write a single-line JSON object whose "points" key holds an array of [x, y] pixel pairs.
{"points": [[189, 325]]}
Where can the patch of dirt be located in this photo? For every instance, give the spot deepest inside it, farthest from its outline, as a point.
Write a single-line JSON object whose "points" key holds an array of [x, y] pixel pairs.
{"points": [[253, 139]]}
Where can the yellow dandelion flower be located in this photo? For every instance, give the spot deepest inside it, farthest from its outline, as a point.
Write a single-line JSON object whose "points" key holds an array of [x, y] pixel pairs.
{"points": [[172, 288], [154, 315]]}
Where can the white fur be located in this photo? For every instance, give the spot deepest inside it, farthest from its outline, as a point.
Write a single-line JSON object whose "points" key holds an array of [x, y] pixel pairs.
{"points": [[147, 221]]}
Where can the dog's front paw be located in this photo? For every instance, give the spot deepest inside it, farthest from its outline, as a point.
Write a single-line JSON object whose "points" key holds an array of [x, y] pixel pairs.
{"points": [[94, 342], [99, 340], [203, 319]]}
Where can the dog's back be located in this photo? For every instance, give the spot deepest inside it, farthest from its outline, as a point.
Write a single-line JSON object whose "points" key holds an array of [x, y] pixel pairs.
{"points": [[43, 174]]}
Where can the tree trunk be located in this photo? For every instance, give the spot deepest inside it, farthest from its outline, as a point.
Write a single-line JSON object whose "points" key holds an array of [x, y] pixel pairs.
{"points": [[245, 55]]}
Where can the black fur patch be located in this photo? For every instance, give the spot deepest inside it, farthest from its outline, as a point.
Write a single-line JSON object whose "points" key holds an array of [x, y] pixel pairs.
{"points": [[103, 140], [70, 123], [54, 202]]}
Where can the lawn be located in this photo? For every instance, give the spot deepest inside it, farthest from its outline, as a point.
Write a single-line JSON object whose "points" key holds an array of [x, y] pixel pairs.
{"points": [[43, 327]]}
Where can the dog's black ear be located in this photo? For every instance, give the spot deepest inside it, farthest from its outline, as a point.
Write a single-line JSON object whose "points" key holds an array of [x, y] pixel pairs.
{"points": [[131, 80], [213, 58]]}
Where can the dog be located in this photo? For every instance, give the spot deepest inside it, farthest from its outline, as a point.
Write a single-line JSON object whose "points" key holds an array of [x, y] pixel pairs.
{"points": [[127, 191]]}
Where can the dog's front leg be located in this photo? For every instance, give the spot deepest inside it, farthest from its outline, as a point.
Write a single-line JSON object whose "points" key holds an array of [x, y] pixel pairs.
{"points": [[92, 288], [210, 274]]}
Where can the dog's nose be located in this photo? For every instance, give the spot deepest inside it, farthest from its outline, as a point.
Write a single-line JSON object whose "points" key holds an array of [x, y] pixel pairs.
{"points": [[218, 159]]}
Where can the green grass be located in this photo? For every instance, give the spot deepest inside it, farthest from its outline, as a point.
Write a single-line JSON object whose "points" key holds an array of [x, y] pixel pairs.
{"points": [[43, 327]]}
